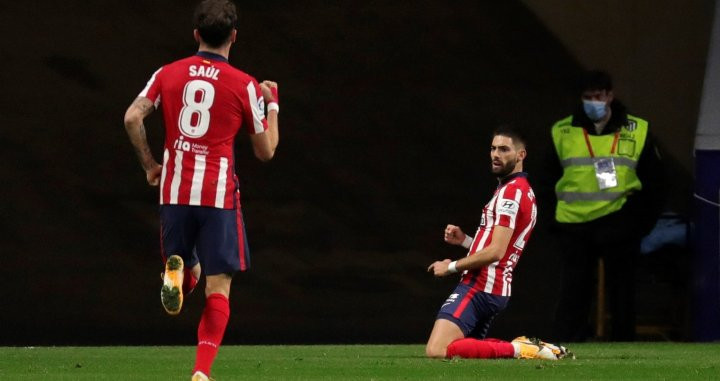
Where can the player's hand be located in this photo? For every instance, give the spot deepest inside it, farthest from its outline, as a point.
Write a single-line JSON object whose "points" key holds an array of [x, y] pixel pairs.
{"points": [[454, 235], [153, 174], [439, 268], [270, 91]]}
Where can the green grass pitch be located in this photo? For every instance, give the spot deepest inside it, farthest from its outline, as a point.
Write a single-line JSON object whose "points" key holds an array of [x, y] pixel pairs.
{"points": [[596, 361]]}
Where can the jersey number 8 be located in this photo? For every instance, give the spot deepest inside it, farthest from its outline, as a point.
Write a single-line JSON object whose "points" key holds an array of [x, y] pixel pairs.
{"points": [[194, 118]]}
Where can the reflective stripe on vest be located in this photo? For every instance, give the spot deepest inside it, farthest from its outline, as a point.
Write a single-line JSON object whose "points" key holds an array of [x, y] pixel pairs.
{"points": [[579, 197], [584, 196], [624, 161]]}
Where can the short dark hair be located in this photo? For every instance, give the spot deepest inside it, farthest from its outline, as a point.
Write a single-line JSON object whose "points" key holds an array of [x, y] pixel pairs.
{"points": [[595, 80], [510, 132], [215, 20]]}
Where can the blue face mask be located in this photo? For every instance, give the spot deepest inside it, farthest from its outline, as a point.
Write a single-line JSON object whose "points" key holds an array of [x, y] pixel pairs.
{"points": [[595, 110]]}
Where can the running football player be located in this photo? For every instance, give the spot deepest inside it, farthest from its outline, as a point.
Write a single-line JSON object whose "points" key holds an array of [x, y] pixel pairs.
{"points": [[205, 103]]}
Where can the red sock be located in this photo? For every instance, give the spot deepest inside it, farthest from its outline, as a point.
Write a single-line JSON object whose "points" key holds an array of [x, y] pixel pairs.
{"points": [[189, 281], [211, 331], [480, 349]]}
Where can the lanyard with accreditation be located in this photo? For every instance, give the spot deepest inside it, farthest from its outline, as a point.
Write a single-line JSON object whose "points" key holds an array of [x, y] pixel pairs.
{"points": [[604, 167]]}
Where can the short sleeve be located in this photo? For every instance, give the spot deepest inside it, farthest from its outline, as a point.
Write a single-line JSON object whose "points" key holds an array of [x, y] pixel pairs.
{"points": [[508, 206], [254, 115], [152, 89]]}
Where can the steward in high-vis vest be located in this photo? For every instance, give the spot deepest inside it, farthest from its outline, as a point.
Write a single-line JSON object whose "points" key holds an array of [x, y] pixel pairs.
{"points": [[609, 194], [599, 171], [607, 172]]}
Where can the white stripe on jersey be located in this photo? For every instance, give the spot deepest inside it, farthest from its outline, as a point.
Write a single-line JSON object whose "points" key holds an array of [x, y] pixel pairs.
{"points": [[144, 92], [489, 222], [222, 181], [489, 227], [166, 156], [177, 175], [507, 286], [474, 248], [518, 196], [257, 115], [197, 181], [490, 277], [507, 272], [520, 241]]}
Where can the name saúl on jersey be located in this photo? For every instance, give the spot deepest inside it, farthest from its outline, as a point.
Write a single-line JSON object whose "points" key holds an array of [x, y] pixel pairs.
{"points": [[208, 72]]}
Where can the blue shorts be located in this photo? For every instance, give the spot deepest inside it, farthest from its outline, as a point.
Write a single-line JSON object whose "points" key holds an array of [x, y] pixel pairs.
{"points": [[472, 310], [213, 237]]}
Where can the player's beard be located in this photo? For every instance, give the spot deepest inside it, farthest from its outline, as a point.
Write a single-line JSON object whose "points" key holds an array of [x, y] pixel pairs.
{"points": [[506, 169]]}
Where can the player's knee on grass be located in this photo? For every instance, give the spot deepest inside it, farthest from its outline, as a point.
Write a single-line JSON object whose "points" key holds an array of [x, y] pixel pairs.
{"points": [[435, 351]]}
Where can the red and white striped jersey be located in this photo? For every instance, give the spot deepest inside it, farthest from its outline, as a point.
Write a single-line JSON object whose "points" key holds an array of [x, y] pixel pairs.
{"points": [[512, 206], [205, 102]]}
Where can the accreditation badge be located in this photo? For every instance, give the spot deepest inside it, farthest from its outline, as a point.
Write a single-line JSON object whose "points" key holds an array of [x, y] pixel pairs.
{"points": [[605, 173]]}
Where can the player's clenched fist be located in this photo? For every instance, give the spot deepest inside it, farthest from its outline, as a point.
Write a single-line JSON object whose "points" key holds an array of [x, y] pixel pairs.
{"points": [[270, 91], [153, 174], [454, 235]]}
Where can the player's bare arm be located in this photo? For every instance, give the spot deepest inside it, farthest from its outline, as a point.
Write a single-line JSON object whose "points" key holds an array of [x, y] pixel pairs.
{"points": [[134, 117], [264, 144], [492, 253]]}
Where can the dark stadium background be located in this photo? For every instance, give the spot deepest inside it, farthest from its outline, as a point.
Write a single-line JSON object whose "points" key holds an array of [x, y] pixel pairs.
{"points": [[387, 109]]}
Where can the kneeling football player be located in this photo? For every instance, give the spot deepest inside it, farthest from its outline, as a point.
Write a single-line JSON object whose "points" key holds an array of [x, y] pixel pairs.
{"points": [[484, 289]]}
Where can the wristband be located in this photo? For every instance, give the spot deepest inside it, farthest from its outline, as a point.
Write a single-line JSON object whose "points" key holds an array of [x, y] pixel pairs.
{"points": [[273, 106], [467, 242], [276, 97], [451, 267]]}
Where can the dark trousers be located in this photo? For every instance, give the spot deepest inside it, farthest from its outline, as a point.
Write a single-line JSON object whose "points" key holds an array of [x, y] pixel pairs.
{"points": [[580, 251]]}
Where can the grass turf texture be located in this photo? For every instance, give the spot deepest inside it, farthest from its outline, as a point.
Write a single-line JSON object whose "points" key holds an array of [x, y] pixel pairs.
{"points": [[596, 361]]}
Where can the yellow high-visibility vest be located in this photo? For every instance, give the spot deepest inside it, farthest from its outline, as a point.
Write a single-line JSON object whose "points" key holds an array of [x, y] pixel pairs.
{"points": [[580, 198]]}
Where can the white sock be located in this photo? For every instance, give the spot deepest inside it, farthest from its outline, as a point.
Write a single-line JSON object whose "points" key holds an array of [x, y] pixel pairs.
{"points": [[517, 349]]}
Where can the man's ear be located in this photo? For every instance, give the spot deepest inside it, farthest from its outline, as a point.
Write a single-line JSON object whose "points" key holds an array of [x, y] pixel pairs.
{"points": [[522, 154], [196, 35], [233, 36]]}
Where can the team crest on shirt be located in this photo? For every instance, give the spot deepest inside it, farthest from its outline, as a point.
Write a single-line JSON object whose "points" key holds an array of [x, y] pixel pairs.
{"points": [[631, 126], [507, 207]]}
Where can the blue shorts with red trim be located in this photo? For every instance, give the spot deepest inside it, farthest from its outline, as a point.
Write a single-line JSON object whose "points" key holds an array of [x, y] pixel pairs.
{"points": [[472, 310], [213, 237]]}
